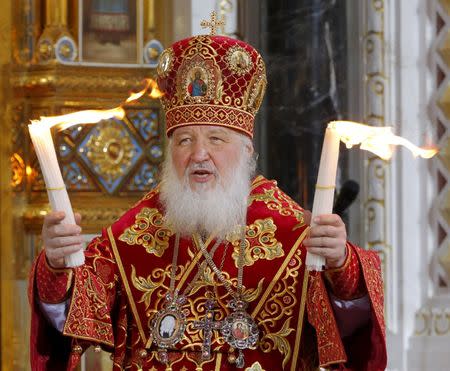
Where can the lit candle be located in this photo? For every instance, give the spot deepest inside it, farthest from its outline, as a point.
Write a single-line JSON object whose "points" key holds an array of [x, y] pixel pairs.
{"points": [[56, 189], [378, 140], [45, 150], [325, 186]]}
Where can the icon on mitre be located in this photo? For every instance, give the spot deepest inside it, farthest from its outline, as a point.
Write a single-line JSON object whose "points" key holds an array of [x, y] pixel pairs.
{"points": [[197, 86]]}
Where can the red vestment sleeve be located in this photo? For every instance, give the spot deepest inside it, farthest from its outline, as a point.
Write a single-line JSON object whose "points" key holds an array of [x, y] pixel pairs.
{"points": [[364, 350], [347, 282], [49, 349], [53, 284], [92, 295]]}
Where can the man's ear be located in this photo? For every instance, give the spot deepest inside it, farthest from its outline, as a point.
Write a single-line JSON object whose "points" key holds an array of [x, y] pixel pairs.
{"points": [[249, 148]]}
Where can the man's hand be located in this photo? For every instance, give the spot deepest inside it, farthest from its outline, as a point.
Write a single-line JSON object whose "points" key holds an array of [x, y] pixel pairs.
{"points": [[328, 238], [59, 239]]}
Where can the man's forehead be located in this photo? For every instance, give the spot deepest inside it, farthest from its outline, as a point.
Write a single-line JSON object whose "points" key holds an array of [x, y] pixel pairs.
{"points": [[203, 129]]}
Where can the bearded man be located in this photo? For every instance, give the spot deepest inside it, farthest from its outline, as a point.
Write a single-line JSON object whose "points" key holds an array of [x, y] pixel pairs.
{"points": [[207, 271]]}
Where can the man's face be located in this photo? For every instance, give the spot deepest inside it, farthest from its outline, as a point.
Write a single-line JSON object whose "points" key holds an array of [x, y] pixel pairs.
{"points": [[205, 154]]}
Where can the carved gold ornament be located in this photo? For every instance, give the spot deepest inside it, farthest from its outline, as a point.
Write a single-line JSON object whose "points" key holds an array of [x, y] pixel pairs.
{"points": [[260, 243], [111, 151], [148, 231], [18, 170]]}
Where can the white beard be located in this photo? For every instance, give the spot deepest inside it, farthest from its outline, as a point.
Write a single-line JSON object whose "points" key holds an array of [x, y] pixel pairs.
{"points": [[219, 210]]}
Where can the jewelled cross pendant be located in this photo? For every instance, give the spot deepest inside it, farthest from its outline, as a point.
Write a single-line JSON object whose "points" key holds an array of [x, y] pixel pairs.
{"points": [[208, 325]]}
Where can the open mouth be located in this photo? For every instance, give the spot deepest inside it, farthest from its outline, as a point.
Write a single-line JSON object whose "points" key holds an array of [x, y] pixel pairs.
{"points": [[202, 175], [202, 172]]}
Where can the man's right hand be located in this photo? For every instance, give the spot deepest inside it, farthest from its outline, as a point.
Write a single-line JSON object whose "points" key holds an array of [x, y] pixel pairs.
{"points": [[59, 239]]}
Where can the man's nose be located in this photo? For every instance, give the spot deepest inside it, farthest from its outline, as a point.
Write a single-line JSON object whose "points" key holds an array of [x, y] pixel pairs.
{"points": [[200, 152]]}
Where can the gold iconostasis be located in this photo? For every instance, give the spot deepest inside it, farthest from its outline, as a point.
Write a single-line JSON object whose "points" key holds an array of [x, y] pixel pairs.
{"points": [[57, 57]]}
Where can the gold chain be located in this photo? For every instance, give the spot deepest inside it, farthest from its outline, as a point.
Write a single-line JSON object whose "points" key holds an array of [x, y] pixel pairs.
{"points": [[201, 267], [236, 295]]}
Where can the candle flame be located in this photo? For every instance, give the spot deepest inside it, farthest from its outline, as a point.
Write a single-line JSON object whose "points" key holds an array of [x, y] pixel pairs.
{"points": [[94, 116], [79, 117], [151, 87], [378, 140]]}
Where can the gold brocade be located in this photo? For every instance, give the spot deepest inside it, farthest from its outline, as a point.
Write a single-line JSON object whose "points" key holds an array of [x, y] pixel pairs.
{"points": [[260, 242], [147, 221], [274, 201], [279, 305], [150, 284], [276, 303]]}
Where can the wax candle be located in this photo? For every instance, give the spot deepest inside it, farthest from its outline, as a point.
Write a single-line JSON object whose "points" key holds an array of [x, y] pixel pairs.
{"points": [[57, 193]]}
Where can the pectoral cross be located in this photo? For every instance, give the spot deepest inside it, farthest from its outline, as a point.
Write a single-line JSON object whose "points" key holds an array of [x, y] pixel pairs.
{"points": [[208, 325], [212, 24]]}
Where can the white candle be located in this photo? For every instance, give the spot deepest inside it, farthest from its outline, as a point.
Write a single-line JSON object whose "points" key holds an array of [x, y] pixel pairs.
{"points": [[325, 186], [56, 190]]}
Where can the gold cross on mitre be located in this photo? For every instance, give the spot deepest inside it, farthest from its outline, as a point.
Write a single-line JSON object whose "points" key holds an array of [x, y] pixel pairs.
{"points": [[213, 24]]}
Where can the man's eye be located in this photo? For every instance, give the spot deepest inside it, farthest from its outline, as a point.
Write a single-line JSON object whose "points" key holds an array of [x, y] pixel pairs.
{"points": [[184, 141], [216, 139]]}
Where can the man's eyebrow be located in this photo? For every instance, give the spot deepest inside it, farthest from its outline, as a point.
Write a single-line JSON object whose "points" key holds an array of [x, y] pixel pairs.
{"points": [[218, 131], [182, 131]]}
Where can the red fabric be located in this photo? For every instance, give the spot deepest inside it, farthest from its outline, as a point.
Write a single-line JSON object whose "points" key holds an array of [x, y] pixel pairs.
{"points": [[120, 287], [347, 282], [53, 284], [49, 350], [367, 348]]}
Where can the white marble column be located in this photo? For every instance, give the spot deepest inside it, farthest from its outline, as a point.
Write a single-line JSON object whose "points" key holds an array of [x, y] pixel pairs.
{"points": [[394, 89], [189, 13]]}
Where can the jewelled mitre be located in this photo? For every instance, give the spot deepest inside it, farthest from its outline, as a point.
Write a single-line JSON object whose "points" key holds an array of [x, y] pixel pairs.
{"points": [[211, 80]]}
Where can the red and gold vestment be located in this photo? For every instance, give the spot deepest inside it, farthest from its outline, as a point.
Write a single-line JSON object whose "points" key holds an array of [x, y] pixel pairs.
{"points": [[123, 283]]}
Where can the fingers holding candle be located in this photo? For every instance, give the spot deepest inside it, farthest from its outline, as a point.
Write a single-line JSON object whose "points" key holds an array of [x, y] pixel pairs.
{"points": [[328, 238], [59, 239]]}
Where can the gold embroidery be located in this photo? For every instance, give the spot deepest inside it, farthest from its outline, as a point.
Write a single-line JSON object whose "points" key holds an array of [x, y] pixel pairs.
{"points": [[148, 230], [208, 279], [274, 200], [149, 195], [280, 304], [96, 294], [298, 335], [258, 181], [252, 294], [280, 342], [200, 89], [125, 283], [147, 285], [88, 316], [260, 243]]}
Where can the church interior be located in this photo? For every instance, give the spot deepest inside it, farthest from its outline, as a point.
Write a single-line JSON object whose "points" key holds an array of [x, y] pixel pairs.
{"points": [[377, 62]]}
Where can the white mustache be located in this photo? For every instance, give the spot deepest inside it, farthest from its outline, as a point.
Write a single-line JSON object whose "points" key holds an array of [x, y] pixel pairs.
{"points": [[201, 166]]}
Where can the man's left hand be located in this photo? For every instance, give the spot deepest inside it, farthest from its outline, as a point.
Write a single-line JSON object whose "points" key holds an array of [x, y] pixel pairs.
{"points": [[328, 238]]}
